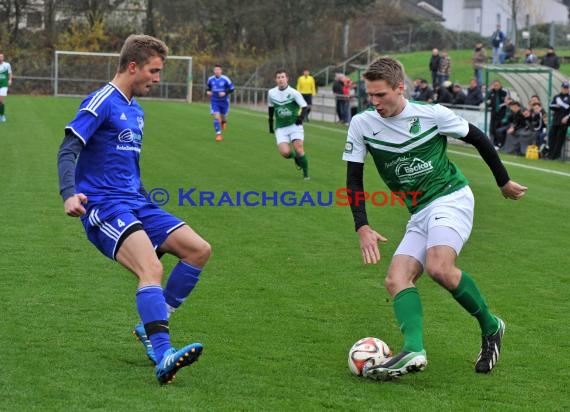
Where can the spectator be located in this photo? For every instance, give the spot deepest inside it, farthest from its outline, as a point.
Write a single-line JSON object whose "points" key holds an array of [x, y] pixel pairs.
{"points": [[337, 89], [550, 59], [417, 88], [504, 124], [346, 89], [497, 106], [433, 66], [479, 59], [474, 96], [508, 52], [530, 57], [444, 68], [425, 93], [444, 93], [538, 121], [458, 95], [519, 133], [497, 39], [560, 108]]}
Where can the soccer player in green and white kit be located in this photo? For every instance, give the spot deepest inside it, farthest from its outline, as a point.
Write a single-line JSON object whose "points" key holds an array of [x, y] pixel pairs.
{"points": [[290, 110], [5, 82], [408, 143]]}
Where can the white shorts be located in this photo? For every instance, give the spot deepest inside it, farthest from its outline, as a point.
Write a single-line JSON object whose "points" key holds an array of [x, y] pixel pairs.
{"points": [[289, 133], [3, 91], [446, 221]]}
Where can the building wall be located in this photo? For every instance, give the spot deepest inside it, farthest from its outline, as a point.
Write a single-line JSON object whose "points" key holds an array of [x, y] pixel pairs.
{"points": [[481, 16]]}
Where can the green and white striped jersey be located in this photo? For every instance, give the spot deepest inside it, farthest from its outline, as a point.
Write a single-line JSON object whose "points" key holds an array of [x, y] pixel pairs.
{"points": [[5, 70], [287, 104], [410, 150]]}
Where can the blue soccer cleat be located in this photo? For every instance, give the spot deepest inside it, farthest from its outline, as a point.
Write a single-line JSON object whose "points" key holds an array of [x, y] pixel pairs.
{"points": [[174, 360], [141, 335]]}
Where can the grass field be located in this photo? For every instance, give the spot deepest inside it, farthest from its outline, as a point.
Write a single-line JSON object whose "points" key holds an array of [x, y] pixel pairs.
{"points": [[416, 63], [285, 294]]}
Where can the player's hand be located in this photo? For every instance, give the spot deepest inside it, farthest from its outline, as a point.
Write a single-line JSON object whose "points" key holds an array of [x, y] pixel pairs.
{"points": [[512, 190], [299, 121], [73, 205], [221, 94], [209, 93], [369, 239]]}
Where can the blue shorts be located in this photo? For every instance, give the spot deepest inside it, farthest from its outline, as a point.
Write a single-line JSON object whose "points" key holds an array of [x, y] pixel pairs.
{"points": [[107, 223], [219, 106]]}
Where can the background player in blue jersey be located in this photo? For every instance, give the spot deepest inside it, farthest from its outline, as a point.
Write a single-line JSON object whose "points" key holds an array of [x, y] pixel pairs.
{"points": [[219, 88], [104, 188]]}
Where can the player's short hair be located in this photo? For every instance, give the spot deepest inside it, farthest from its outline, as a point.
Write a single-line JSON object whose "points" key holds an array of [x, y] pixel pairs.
{"points": [[385, 68], [139, 48], [279, 71]]}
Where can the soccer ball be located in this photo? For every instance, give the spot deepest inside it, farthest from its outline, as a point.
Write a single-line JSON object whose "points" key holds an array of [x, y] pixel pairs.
{"points": [[367, 349]]}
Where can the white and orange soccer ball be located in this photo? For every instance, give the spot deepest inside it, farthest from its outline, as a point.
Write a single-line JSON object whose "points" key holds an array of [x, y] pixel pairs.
{"points": [[365, 350]]}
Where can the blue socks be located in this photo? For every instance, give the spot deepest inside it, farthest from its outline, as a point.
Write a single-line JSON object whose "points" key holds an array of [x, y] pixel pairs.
{"points": [[180, 283], [154, 316], [217, 126], [154, 304]]}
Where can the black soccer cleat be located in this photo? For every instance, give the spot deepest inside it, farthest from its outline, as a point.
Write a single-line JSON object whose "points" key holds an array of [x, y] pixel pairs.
{"points": [[490, 350]]}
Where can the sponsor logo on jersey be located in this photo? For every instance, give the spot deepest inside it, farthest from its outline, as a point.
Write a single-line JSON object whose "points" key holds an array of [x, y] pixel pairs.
{"points": [[123, 116], [128, 136], [348, 148], [284, 112], [140, 121], [415, 126], [409, 170]]}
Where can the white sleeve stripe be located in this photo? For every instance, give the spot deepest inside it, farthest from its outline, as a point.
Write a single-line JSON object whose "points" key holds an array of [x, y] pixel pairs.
{"points": [[98, 98]]}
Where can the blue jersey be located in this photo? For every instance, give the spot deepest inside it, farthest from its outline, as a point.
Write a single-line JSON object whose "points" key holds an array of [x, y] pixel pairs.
{"points": [[111, 129], [220, 84]]}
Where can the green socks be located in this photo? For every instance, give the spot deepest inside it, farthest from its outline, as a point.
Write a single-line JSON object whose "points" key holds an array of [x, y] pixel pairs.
{"points": [[409, 313], [304, 162], [1, 109], [469, 296]]}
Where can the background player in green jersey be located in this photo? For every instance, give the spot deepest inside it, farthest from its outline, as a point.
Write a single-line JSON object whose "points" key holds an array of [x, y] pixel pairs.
{"points": [[290, 109], [408, 143], [5, 82]]}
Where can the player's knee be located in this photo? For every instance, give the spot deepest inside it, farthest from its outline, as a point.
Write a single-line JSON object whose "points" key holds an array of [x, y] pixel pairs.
{"points": [[204, 251], [285, 153], [199, 253], [392, 284], [151, 272], [439, 271]]}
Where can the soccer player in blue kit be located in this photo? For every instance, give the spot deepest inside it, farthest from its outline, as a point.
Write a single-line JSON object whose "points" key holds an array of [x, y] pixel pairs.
{"points": [[99, 178], [219, 88]]}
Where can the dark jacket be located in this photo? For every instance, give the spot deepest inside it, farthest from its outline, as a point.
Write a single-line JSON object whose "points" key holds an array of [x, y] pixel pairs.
{"points": [[550, 60], [338, 88], [495, 100], [560, 107], [458, 97], [434, 63], [474, 96], [444, 95], [497, 38]]}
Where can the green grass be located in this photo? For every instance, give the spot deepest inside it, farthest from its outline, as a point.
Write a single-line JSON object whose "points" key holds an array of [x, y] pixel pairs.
{"points": [[285, 294], [416, 63]]}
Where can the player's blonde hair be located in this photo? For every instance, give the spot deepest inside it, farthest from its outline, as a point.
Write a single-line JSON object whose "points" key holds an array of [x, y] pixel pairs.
{"points": [[139, 48], [385, 68]]}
